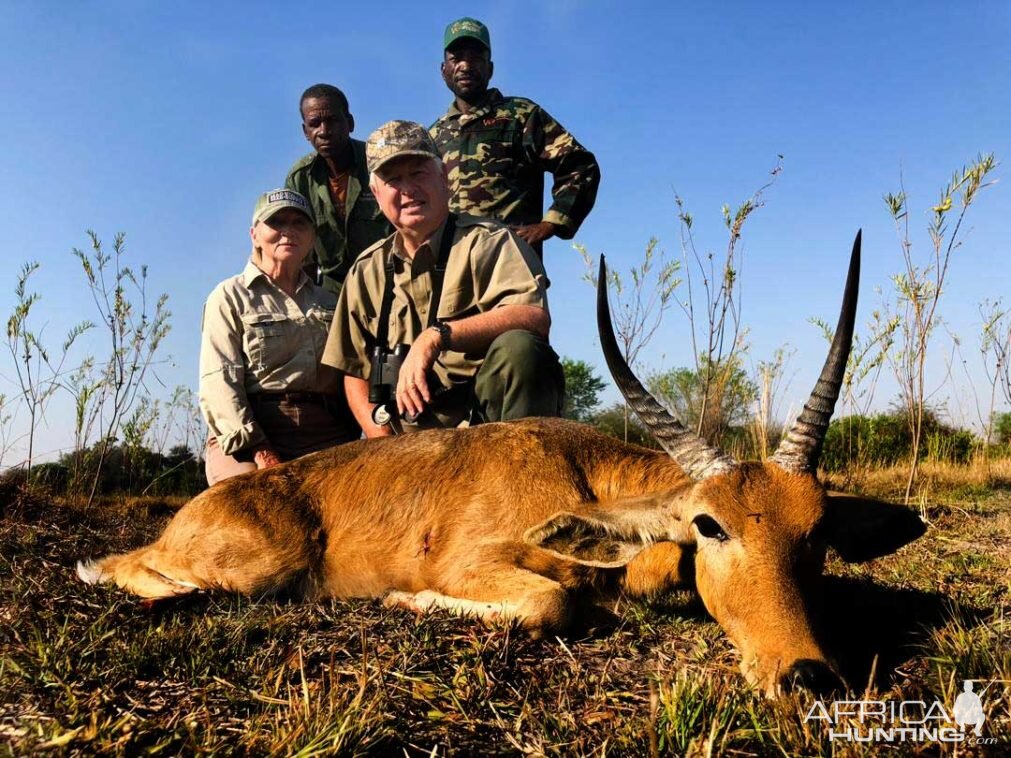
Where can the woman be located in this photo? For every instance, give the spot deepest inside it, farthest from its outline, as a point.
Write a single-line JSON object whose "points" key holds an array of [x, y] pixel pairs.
{"points": [[263, 391]]}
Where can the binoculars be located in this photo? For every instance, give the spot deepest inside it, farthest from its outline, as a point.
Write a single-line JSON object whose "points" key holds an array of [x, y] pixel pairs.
{"points": [[386, 365]]}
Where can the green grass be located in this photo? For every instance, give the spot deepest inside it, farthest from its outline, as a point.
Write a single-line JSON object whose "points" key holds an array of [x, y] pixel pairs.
{"points": [[88, 670]]}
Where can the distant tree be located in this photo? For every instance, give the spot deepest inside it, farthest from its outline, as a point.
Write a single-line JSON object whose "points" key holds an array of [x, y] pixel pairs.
{"points": [[885, 439], [6, 433], [181, 473], [995, 350], [1002, 428], [699, 401], [52, 477], [765, 427], [134, 469], [919, 286], [868, 355], [582, 390], [615, 422], [712, 304], [36, 368], [640, 301], [180, 421], [135, 329]]}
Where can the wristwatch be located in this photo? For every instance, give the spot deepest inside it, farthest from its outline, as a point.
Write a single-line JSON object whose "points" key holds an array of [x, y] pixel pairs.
{"points": [[445, 334]]}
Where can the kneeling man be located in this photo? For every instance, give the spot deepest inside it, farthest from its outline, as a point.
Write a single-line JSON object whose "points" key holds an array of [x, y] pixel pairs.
{"points": [[463, 297]]}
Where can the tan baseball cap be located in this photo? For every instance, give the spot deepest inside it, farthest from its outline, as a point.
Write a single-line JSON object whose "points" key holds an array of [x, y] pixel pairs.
{"points": [[395, 139], [273, 201]]}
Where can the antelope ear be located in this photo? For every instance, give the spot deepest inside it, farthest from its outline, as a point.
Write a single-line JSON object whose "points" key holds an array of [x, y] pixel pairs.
{"points": [[606, 535], [583, 540], [861, 529]]}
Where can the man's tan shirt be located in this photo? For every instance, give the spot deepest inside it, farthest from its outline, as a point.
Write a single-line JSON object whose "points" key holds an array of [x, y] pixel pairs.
{"points": [[255, 338], [488, 266]]}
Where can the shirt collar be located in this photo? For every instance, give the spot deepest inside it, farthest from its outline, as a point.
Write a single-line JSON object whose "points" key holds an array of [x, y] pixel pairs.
{"points": [[491, 97], [432, 243], [252, 272]]}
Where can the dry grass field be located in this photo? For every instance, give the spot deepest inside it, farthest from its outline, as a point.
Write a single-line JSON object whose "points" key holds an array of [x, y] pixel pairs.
{"points": [[88, 670]]}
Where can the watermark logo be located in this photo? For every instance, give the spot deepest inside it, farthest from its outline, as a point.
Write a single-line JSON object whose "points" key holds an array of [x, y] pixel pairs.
{"points": [[968, 710], [893, 721]]}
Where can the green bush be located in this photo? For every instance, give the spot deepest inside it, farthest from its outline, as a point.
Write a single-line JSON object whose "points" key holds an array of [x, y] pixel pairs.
{"points": [[884, 439], [52, 476], [612, 421], [951, 445], [132, 470], [1002, 428]]}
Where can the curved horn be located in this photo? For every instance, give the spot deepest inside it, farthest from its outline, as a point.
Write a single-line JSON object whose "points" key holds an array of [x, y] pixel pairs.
{"points": [[800, 449], [698, 458]]}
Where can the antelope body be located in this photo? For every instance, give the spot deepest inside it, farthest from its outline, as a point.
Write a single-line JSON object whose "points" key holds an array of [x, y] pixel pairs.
{"points": [[533, 520]]}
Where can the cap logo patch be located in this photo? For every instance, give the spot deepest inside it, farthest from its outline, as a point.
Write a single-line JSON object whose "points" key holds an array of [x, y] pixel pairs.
{"points": [[285, 196]]}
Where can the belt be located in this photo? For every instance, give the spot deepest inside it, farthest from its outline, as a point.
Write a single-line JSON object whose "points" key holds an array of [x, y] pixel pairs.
{"points": [[316, 398]]}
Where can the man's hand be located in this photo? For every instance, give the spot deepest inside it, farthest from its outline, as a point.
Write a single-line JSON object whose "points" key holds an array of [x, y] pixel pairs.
{"points": [[412, 387], [265, 457], [535, 233]]}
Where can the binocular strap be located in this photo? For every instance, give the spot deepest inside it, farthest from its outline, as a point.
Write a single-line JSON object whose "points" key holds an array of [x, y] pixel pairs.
{"points": [[383, 333]]}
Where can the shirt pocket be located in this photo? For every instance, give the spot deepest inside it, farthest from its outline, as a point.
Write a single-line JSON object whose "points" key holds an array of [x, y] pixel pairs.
{"points": [[264, 340], [320, 315], [319, 319], [457, 302], [496, 144]]}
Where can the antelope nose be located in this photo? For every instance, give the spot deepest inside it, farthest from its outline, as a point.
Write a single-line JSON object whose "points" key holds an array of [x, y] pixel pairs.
{"points": [[811, 675]]}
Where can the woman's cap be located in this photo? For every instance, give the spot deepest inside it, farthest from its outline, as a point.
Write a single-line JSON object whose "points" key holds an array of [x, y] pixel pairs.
{"points": [[273, 201]]}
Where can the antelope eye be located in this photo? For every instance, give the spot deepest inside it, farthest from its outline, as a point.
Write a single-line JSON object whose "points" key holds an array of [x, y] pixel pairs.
{"points": [[710, 529]]}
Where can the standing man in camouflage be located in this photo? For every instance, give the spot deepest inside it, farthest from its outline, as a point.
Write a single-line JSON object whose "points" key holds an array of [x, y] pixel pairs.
{"points": [[497, 148], [335, 181]]}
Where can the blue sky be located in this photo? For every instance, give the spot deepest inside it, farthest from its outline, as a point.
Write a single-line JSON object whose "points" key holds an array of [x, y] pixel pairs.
{"points": [[165, 121]]}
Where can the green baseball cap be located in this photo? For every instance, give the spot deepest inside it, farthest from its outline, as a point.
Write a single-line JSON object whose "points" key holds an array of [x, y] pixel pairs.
{"points": [[395, 139], [273, 201], [466, 27]]}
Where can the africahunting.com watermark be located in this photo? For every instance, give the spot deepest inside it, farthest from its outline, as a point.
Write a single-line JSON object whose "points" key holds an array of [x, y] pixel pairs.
{"points": [[906, 720]]}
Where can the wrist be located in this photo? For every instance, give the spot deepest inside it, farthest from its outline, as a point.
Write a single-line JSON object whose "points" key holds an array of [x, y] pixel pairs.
{"points": [[444, 335]]}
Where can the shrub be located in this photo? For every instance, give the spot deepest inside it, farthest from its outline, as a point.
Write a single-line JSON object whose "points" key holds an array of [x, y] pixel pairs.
{"points": [[612, 421], [884, 439], [1002, 428], [53, 477]]}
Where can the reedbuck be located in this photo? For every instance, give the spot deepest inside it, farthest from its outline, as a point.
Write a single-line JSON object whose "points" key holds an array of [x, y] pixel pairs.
{"points": [[533, 520]]}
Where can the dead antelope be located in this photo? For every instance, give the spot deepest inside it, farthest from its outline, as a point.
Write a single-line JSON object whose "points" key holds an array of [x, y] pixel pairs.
{"points": [[526, 520]]}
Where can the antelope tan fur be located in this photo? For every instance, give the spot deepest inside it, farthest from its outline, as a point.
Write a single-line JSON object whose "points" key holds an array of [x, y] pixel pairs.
{"points": [[534, 520]]}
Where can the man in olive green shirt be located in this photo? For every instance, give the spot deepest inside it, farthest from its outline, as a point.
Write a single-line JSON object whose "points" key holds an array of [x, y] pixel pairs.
{"points": [[486, 356], [335, 181]]}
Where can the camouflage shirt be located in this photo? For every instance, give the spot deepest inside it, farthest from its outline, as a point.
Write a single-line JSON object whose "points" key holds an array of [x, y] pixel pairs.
{"points": [[338, 240], [497, 155]]}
